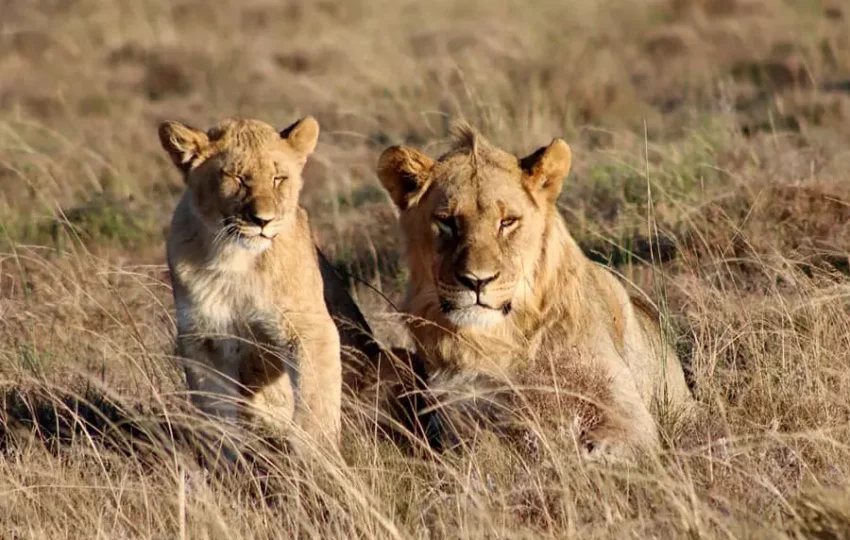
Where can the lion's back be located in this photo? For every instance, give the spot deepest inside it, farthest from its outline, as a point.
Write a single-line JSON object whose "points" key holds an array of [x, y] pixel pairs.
{"points": [[640, 338], [665, 371]]}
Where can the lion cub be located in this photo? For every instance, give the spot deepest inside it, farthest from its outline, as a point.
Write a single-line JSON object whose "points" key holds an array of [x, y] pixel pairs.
{"points": [[253, 328]]}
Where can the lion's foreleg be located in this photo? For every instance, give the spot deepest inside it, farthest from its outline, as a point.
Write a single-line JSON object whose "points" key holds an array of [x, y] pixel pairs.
{"points": [[213, 383], [319, 384]]}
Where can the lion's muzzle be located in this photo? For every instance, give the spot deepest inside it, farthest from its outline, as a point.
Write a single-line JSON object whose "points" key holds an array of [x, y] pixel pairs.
{"points": [[475, 303]]}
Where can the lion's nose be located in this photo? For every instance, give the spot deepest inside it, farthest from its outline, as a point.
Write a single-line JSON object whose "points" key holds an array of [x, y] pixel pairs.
{"points": [[260, 221], [475, 282]]}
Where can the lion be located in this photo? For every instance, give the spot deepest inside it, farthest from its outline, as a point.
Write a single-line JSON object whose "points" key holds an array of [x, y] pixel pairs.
{"points": [[253, 328], [382, 385], [500, 292]]}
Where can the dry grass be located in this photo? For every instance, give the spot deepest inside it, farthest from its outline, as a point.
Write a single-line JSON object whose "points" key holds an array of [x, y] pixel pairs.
{"points": [[735, 114]]}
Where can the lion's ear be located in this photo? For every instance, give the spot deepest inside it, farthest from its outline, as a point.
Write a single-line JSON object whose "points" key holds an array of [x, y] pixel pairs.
{"points": [[545, 169], [183, 143], [303, 135], [404, 174]]}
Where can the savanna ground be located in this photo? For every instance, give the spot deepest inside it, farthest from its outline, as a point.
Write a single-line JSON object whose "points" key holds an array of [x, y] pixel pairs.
{"points": [[711, 144]]}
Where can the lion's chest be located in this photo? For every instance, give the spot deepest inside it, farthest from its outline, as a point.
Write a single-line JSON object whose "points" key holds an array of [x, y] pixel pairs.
{"points": [[232, 310], [492, 351]]}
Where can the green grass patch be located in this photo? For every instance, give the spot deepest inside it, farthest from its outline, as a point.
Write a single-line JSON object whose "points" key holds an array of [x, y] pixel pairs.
{"points": [[102, 220]]}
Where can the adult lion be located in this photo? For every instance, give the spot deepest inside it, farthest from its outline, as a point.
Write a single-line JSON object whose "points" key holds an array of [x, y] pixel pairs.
{"points": [[500, 291], [251, 318]]}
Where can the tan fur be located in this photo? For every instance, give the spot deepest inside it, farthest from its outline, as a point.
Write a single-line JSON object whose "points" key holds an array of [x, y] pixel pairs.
{"points": [[253, 326], [481, 218]]}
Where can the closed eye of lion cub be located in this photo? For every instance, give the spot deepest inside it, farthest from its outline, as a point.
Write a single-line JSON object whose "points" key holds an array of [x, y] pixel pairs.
{"points": [[253, 328]]}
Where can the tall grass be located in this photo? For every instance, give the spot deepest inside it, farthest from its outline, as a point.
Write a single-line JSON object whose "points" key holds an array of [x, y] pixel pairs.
{"points": [[710, 141]]}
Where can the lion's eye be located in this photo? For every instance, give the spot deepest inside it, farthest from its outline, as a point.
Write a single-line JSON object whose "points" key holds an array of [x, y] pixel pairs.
{"points": [[239, 179], [279, 179], [508, 222], [446, 225]]}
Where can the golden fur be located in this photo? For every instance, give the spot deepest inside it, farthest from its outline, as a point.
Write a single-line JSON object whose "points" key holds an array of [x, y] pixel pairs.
{"points": [[500, 287], [253, 326]]}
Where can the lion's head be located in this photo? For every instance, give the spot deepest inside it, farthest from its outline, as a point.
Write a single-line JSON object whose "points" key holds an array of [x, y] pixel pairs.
{"points": [[244, 176], [474, 222]]}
